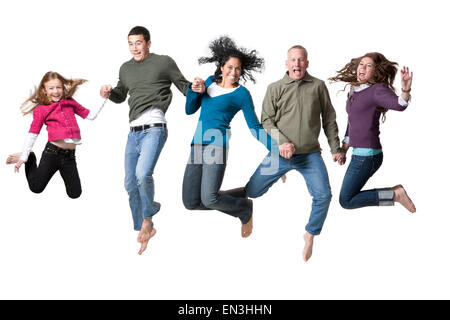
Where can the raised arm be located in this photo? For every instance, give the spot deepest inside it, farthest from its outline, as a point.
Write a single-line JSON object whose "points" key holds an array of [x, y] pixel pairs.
{"points": [[387, 99], [193, 101], [384, 97], [195, 93], [406, 80]]}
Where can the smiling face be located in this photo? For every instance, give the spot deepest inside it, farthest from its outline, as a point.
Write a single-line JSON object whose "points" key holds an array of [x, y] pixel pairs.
{"points": [[231, 72], [297, 63], [366, 70], [139, 48], [54, 90]]}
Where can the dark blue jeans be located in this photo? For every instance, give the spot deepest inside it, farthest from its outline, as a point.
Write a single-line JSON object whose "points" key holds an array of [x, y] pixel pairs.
{"points": [[359, 171], [202, 181]]}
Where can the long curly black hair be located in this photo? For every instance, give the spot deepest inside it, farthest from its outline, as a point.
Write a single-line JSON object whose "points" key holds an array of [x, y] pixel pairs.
{"points": [[223, 49]]}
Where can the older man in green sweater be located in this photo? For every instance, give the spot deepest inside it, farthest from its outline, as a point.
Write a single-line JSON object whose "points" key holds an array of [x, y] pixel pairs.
{"points": [[294, 109], [147, 78]]}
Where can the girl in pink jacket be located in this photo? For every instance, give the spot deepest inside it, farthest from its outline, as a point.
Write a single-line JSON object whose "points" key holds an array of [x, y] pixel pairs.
{"points": [[52, 105]]}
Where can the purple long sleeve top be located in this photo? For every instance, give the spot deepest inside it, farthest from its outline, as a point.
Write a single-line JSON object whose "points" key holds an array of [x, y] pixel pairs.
{"points": [[363, 128]]}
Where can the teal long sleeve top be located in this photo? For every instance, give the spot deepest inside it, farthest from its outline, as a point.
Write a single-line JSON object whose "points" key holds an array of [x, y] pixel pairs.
{"points": [[217, 112]]}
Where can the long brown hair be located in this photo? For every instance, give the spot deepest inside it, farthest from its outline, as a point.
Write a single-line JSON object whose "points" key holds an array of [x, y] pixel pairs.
{"points": [[385, 72], [38, 96]]}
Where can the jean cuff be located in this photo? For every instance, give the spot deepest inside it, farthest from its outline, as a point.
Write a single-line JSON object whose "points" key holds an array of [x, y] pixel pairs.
{"points": [[385, 197]]}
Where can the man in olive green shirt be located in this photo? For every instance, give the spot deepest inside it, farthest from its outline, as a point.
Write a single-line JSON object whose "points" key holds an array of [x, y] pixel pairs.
{"points": [[294, 109]]}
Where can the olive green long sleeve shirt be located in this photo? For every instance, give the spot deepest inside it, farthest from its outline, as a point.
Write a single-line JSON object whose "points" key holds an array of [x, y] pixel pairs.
{"points": [[293, 111], [148, 83]]}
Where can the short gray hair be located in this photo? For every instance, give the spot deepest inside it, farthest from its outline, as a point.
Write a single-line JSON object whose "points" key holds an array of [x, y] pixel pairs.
{"points": [[297, 46]]}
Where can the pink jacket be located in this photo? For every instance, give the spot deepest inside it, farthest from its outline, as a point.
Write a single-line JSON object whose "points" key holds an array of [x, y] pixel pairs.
{"points": [[59, 118]]}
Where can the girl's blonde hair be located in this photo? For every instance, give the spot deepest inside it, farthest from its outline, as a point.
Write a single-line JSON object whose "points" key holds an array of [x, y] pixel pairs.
{"points": [[38, 96]]}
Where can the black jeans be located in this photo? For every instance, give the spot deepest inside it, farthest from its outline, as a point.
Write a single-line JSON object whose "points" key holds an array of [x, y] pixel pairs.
{"points": [[53, 159]]}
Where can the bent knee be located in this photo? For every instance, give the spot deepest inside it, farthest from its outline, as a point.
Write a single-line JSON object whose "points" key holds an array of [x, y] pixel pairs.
{"points": [[345, 202], [74, 195], [209, 200], [253, 192], [36, 189], [143, 175], [191, 204], [131, 185], [325, 196]]}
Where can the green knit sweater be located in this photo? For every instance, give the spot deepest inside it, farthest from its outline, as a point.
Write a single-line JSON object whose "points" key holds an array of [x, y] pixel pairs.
{"points": [[148, 83]]}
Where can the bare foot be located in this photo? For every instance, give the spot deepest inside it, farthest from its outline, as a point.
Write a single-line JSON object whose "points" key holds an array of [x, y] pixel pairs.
{"points": [[13, 158], [401, 197], [147, 232], [307, 250], [247, 228]]}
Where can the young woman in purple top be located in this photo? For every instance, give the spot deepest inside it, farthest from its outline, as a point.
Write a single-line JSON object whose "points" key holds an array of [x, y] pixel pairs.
{"points": [[371, 94]]}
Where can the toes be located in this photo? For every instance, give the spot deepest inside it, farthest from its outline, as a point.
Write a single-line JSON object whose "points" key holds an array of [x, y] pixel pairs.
{"points": [[143, 247]]}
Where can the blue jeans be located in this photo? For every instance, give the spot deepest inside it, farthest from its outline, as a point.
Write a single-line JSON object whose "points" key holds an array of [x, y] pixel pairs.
{"points": [[313, 169], [141, 154], [360, 169], [202, 181]]}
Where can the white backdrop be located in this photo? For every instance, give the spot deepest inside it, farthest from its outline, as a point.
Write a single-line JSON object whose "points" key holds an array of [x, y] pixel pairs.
{"points": [[55, 247]]}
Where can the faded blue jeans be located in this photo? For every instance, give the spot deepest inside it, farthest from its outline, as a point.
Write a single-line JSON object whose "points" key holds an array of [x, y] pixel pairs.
{"points": [[202, 181], [141, 154], [313, 169]]}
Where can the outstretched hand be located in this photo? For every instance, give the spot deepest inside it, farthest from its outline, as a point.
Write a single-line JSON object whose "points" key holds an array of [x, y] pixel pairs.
{"points": [[105, 91], [406, 78]]}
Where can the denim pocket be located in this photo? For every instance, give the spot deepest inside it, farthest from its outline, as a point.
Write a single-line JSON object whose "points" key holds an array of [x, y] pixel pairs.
{"points": [[162, 132], [50, 151], [356, 164]]}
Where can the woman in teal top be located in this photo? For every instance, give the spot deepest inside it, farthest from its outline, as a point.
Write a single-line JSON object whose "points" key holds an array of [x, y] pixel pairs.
{"points": [[223, 98]]}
